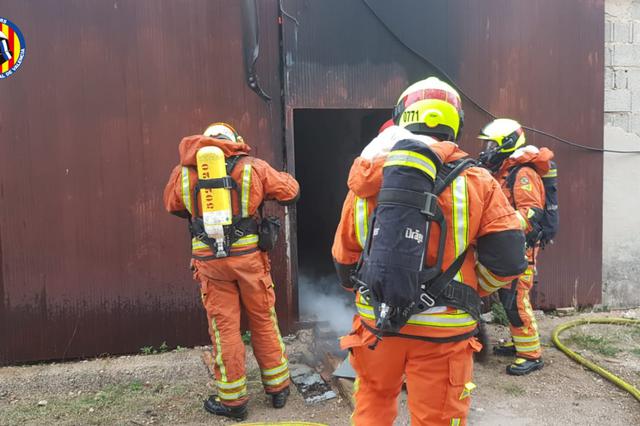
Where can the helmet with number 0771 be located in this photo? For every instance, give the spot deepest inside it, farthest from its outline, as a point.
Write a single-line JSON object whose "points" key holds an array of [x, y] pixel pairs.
{"points": [[430, 107]]}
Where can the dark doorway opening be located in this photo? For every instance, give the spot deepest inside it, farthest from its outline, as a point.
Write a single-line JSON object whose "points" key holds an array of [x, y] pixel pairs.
{"points": [[326, 142]]}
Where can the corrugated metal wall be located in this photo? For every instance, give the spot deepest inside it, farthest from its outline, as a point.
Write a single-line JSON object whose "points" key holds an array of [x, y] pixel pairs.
{"points": [[543, 62], [89, 125], [540, 62], [89, 128]]}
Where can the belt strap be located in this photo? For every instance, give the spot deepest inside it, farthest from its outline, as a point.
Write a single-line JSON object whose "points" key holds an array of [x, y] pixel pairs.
{"points": [[461, 296], [457, 338], [224, 182], [426, 202], [231, 254]]}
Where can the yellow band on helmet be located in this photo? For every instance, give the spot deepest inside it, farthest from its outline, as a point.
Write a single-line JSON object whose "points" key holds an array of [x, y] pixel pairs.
{"points": [[432, 115], [504, 131]]}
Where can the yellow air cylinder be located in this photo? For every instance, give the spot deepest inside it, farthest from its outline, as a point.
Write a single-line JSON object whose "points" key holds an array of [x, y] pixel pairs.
{"points": [[216, 202]]}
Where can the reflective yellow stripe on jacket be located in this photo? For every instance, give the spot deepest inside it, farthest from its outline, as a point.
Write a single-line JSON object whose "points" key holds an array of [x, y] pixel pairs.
{"points": [[411, 159], [247, 240], [434, 317], [361, 220], [186, 190], [246, 190], [460, 218], [185, 187]]}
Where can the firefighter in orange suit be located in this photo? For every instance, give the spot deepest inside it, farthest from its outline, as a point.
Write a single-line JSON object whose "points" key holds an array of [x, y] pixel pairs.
{"points": [[506, 155], [433, 350], [243, 278]]}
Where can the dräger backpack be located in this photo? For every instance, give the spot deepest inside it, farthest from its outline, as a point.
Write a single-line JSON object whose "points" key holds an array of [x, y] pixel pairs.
{"points": [[391, 274], [546, 228]]}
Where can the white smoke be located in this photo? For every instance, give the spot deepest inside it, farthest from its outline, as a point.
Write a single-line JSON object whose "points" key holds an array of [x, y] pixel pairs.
{"points": [[323, 299]]}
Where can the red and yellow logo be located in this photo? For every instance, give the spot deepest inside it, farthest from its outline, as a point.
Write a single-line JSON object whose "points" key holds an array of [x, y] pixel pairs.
{"points": [[12, 48]]}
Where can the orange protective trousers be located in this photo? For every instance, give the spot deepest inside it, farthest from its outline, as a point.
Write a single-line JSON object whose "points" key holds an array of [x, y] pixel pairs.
{"points": [[227, 285], [522, 322], [438, 378]]}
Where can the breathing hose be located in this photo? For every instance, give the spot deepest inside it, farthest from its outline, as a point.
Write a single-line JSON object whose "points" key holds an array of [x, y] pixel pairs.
{"points": [[555, 337]]}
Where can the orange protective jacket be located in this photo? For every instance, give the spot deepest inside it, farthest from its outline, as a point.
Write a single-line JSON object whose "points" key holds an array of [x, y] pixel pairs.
{"points": [[528, 190], [484, 222], [263, 181]]}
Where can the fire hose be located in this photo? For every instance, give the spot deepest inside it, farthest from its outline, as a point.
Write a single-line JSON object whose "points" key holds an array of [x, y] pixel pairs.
{"points": [[555, 337]]}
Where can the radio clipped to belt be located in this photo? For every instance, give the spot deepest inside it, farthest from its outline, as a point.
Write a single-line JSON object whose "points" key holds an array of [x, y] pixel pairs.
{"points": [[268, 231]]}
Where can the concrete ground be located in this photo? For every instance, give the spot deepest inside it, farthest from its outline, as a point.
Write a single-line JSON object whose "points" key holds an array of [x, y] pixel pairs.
{"points": [[168, 388]]}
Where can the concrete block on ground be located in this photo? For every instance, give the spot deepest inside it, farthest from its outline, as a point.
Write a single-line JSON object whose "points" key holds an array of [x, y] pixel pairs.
{"points": [[617, 100], [311, 385], [487, 317], [298, 370], [632, 314], [567, 311]]}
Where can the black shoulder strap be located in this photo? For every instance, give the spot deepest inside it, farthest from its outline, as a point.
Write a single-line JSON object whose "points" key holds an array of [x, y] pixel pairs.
{"points": [[513, 173], [438, 285], [231, 163], [448, 175]]}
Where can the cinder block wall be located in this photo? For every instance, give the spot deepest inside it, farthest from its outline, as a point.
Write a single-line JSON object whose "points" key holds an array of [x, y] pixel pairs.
{"points": [[621, 215]]}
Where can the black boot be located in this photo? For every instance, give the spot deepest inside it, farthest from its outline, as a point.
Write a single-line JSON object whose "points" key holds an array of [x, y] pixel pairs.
{"points": [[505, 349], [214, 406], [522, 366], [279, 400]]}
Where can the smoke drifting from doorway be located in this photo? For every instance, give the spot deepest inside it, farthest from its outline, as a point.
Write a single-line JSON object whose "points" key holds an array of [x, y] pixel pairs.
{"points": [[322, 299]]}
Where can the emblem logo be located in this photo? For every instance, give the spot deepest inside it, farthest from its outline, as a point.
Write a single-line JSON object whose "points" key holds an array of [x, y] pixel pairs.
{"points": [[12, 48], [414, 234]]}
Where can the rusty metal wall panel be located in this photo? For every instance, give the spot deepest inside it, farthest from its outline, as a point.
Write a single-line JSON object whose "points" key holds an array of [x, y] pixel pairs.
{"points": [[89, 128], [543, 62], [339, 56], [540, 62]]}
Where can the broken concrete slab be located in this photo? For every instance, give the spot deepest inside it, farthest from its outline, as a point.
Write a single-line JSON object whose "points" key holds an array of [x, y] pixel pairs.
{"points": [[310, 384], [345, 370], [563, 312], [487, 317], [297, 370]]}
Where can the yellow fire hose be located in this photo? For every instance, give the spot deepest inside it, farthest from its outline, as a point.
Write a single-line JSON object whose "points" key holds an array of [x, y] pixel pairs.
{"points": [[590, 365]]}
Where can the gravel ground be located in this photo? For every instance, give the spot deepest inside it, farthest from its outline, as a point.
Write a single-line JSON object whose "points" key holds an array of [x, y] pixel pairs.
{"points": [[169, 388]]}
